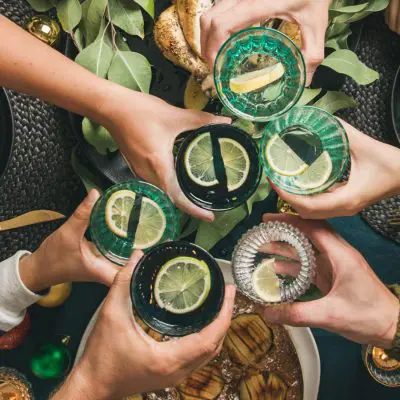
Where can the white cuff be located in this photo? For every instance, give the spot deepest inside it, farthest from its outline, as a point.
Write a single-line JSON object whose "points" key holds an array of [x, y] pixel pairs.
{"points": [[15, 297]]}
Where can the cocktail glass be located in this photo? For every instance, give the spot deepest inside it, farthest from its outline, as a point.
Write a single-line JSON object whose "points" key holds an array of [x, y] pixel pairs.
{"points": [[144, 298], [150, 204]]}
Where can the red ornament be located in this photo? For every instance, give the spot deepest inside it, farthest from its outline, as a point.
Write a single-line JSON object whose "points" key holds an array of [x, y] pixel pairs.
{"points": [[15, 337]]}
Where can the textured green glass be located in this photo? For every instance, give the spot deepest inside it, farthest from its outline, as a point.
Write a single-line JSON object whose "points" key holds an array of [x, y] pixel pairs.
{"points": [[275, 99], [51, 361], [160, 319], [116, 248], [321, 131]]}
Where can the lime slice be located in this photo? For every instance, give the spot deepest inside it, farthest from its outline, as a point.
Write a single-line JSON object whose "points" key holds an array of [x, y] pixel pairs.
{"points": [[316, 174], [236, 162], [266, 281], [182, 285], [251, 81], [282, 159], [199, 161], [152, 221]]}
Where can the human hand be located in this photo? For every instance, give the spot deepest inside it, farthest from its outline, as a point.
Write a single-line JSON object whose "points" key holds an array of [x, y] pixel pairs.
{"points": [[392, 16], [66, 255], [145, 128], [120, 359], [230, 16], [356, 305], [374, 176]]}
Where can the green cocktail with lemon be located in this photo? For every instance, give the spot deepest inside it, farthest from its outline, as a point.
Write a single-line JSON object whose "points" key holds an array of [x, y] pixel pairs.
{"points": [[217, 167], [129, 216]]}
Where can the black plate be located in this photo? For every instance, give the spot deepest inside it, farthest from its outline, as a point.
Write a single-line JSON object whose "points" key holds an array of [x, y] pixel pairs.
{"points": [[6, 131], [395, 105]]}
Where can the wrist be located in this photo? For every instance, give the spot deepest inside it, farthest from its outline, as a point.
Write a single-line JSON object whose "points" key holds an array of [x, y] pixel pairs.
{"points": [[31, 276], [385, 340]]}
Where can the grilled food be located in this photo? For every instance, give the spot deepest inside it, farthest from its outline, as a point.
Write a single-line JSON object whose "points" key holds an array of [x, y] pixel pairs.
{"points": [[263, 386]]}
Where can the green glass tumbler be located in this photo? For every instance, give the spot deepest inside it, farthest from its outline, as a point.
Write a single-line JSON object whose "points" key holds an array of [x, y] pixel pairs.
{"points": [[149, 203]]}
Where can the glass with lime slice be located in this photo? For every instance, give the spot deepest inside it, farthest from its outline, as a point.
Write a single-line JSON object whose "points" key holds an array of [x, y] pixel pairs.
{"points": [[217, 167], [177, 288], [259, 74], [132, 215], [305, 151]]}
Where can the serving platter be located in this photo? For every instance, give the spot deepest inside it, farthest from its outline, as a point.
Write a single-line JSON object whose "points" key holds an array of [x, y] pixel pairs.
{"points": [[6, 131], [302, 340]]}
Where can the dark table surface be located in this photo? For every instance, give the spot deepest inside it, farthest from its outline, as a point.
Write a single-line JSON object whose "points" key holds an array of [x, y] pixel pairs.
{"points": [[343, 375]]}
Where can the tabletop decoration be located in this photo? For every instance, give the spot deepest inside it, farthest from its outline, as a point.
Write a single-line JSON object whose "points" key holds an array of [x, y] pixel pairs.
{"points": [[57, 295], [45, 29], [14, 385], [13, 338], [52, 360]]}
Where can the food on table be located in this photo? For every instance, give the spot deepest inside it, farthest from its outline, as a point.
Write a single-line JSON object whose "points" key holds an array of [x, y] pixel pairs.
{"points": [[206, 383], [182, 285], [151, 225], [263, 386], [152, 333], [282, 159], [248, 339], [317, 173], [292, 30], [194, 97], [382, 360], [57, 295], [199, 162], [134, 397], [255, 80], [266, 282]]}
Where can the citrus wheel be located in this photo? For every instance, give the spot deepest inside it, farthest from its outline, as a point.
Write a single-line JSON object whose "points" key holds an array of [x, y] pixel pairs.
{"points": [[266, 282]]}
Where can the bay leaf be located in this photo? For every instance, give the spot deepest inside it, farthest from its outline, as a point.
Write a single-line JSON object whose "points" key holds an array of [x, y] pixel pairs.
{"points": [[40, 5], [334, 101], [308, 96], [209, 234], [189, 228], [313, 293], [128, 16], [97, 56], [147, 5], [346, 62], [93, 14], [78, 38], [69, 12], [98, 136], [349, 9], [131, 70], [121, 43], [335, 30], [373, 6], [262, 192]]}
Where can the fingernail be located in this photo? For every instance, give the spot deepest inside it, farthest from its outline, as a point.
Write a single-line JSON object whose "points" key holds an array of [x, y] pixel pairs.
{"points": [[92, 196]]}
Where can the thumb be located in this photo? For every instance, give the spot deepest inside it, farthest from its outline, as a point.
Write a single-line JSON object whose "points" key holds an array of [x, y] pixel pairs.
{"points": [[195, 119], [79, 220]]}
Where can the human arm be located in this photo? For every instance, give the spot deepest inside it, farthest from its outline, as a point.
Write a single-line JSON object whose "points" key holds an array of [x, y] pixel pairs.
{"points": [[374, 175], [229, 16], [356, 304], [392, 16], [121, 360], [144, 126]]}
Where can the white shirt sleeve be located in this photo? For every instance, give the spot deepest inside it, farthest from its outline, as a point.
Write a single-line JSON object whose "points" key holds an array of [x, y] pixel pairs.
{"points": [[15, 297]]}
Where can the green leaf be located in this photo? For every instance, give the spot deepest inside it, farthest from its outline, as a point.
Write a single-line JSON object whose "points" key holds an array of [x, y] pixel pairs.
{"points": [[349, 9], [40, 5], [338, 36], [308, 96], [93, 14], [346, 62], [98, 137], [335, 101], [97, 57], [131, 70], [262, 192], [69, 13], [209, 234], [336, 30], [190, 227], [313, 293], [121, 42], [128, 16], [147, 5], [78, 39], [373, 6]]}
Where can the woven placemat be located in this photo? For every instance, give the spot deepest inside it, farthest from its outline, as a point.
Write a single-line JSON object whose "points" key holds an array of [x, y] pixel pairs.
{"points": [[39, 175], [380, 49]]}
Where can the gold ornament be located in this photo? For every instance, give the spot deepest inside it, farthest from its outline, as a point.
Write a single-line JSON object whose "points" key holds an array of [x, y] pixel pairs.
{"points": [[57, 295], [134, 397], [14, 386], [285, 208], [45, 29], [382, 360]]}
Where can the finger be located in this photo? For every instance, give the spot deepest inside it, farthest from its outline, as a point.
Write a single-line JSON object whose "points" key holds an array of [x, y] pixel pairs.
{"points": [[195, 119], [397, 28], [197, 348], [289, 268], [321, 234], [393, 13], [79, 220], [280, 249], [311, 314]]}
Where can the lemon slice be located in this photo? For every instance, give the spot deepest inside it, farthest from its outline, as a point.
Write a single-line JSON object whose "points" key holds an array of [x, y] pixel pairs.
{"points": [[316, 174], [266, 281], [282, 159], [182, 285], [236, 162], [251, 81], [152, 221], [199, 162]]}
